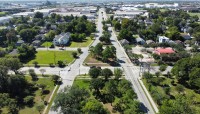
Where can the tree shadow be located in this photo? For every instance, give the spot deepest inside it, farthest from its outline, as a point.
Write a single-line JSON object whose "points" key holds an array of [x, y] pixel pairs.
{"points": [[144, 108]]}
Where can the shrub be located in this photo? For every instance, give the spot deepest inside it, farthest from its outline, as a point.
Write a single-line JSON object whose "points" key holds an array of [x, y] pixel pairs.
{"points": [[79, 50], [163, 67], [29, 100], [61, 63], [74, 54], [33, 74], [52, 46], [51, 65], [35, 63]]}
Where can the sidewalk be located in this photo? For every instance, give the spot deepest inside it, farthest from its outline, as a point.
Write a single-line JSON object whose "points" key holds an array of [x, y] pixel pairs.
{"points": [[149, 96]]}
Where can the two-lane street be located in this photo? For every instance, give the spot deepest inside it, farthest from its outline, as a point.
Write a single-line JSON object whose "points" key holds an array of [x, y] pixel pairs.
{"points": [[132, 74], [67, 75]]}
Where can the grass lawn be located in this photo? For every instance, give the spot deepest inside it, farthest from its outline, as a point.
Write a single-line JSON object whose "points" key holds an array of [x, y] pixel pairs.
{"points": [[2, 27], [49, 86], [163, 10], [47, 57], [193, 14], [82, 83], [90, 61], [47, 44], [51, 102], [85, 43], [2, 14]]}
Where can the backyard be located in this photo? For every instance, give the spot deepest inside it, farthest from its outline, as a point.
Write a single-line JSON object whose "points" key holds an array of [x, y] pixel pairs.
{"points": [[48, 57]]}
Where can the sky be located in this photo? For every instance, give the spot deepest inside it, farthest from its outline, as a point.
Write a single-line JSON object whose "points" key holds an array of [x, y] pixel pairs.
{"points": [[99, 0]]}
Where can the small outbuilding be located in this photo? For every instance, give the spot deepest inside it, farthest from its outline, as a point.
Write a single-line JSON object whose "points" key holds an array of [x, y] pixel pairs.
{"points": [[124, 42], [140, 41], [19, 42]]}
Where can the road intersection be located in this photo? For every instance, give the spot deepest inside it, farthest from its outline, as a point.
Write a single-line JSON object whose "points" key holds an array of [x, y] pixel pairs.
{"points": [[131, 72]]}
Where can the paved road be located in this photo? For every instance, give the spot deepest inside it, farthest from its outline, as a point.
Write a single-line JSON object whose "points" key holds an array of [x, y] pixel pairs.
{"points": [[132, 74], [69, 76]]}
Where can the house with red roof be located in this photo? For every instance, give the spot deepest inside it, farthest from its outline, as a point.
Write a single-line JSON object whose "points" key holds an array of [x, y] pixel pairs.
{"points": [[160, 51]]}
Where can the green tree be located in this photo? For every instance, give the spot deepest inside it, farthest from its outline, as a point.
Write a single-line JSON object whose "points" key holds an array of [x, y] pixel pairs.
{"points": [[118, 73], [194, 78], [29, 100], [11, 36], [106, 54], [40, 108], [3, 78], [28, 34], [94, 107], [125, 34], [74, 54], [98, 50], [12, 63], [38, 15], [50, 35], [94, 72], [179, 88], [26, 52], [96, 84], [79, 50], [197, 37], [117, 26], [33, 74], [178, 106], [106, 73], [55, 78], [69, 100]]}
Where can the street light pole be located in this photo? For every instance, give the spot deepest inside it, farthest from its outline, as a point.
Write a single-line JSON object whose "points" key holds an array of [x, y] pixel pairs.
{"points": [[79, 69]]}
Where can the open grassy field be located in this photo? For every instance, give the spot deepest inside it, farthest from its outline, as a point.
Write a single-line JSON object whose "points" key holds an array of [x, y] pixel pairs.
{"points": [[193, 14], [85, 43], [2, 14], [90, 61], [47, 44], [38, 99], [47, 57]]}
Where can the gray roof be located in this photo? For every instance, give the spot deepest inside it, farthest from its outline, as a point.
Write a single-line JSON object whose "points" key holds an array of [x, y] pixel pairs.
{"points": [[139, 40], [149, 41], [36, 41], [124, 41], [20, 41]]}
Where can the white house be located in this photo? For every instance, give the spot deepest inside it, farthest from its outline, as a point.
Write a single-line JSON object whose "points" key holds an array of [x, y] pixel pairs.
{"points": [[163, 39], [61, 39]]}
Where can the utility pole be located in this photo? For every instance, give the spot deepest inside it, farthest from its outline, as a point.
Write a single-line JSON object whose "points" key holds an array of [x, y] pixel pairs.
{"points": [[79, 69]]}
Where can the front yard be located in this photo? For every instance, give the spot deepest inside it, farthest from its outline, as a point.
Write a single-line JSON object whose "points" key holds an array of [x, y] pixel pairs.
{"points": [[46, 44], [85, 43], [48, 57]]}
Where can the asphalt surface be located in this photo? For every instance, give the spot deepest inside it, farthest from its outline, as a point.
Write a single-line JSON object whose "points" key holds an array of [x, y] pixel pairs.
{"points": [[68, 74], [132, 74]]}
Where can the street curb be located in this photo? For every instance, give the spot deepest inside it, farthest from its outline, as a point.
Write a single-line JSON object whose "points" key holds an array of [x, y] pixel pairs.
{"points": [[148, 96], [44, 112], [144, 88]]}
